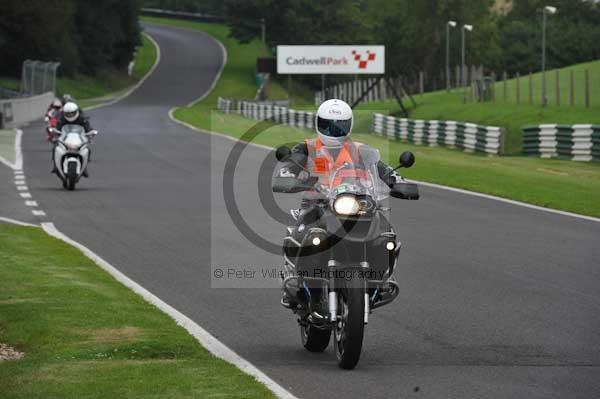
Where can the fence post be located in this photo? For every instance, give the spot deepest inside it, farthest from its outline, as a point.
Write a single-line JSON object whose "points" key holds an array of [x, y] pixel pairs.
{"points": [[571, 88], [518, 88], [504, 86], [587, 88], [557, 88], [457, 73], [493, 87], [530, 89], [421, 88]]}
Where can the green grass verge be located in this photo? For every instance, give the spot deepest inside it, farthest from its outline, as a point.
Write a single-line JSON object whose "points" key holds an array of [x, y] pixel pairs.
{"points": [[564, 185], [10, 83], [109, 83], [86, 335]]}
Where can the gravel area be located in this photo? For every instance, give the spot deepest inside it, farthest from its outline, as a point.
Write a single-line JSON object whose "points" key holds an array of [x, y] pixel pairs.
{"points": [[8, 353]]}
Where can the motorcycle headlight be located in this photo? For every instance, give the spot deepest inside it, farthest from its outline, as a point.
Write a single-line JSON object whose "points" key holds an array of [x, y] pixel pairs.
{"points": [[346, 205]]}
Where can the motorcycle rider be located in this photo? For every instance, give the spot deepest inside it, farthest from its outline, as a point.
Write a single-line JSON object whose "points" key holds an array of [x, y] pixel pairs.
{"points": [[331, 147], [71, 115], [51, 115]]}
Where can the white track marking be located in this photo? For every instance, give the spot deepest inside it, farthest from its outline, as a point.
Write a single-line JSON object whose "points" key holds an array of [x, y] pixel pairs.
{"points": [[19, 182], [212, 344], [17, 222], [18, 152], [22, 188], [25, 195], [138, 84], [37, 212], [31, 203]]}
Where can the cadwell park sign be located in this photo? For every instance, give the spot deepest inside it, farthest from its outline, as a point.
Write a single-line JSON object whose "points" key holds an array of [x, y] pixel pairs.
{"points": [[330, 60]]}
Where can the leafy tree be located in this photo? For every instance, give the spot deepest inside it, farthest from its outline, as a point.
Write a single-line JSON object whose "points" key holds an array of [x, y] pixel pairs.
{"points": [[84, 35]]}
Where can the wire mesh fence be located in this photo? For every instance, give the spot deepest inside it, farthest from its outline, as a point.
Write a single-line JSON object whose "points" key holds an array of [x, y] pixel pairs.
{"points": [[38, 77]]}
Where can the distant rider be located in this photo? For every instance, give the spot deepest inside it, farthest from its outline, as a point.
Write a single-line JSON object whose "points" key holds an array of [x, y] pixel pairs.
{"points": [[71, 115]]}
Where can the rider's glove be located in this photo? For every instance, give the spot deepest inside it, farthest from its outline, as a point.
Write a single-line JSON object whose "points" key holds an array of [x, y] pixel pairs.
{"points": [[285, 172], [393, 178]]}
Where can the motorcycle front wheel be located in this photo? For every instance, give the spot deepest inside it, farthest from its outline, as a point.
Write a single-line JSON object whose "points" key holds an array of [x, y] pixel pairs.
{"points": [[350, 327], [71, 177]]}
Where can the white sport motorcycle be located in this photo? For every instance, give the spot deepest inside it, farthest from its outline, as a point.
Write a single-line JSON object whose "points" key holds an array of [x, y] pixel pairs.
{"points": [[71, 153]]}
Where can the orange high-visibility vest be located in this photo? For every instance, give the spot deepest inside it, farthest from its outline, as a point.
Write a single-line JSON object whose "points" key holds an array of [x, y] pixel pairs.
{"points": [[321, 162]]}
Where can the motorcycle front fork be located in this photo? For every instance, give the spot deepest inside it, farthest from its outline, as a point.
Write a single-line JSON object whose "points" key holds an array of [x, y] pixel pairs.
{"points": [[333, 297]]}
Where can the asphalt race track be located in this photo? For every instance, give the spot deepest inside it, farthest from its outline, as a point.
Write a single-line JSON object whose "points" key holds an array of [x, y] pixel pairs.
{"points": [[497, 300]]}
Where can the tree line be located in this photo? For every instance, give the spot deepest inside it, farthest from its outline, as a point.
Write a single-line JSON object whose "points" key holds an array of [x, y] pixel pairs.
{"points": [[86, 36], [506, 35]]}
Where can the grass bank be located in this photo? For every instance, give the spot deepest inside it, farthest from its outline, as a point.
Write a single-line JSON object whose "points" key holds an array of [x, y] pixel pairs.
{"points": [[86, 335], [555, 184], [441, 105]]}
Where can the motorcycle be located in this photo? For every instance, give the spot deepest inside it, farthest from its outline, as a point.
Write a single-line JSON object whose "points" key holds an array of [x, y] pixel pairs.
{"points": [[340, 255], [71, 153], [51, 121]]}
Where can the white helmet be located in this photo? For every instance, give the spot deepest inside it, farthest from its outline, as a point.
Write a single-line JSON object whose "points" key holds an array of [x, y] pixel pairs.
{"points": [[57, 104], [334, 122], [71, 112]]}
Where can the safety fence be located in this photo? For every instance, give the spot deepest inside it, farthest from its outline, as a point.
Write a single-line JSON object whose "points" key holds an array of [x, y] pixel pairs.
{"points": [[576, 142], [15, 112], [467, 136], [406, 85], [352, 90], [271, 111], [38, 77]]}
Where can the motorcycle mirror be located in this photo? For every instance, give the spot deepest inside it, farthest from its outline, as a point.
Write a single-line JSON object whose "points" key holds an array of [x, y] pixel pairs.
{"points": [[407, 159], [283, 154]]}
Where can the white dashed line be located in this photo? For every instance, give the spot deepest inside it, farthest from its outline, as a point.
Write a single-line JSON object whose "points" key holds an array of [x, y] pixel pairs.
{"points": [[25, 195], [17, 182], [37, 212], [22, 188], [31, 203]]}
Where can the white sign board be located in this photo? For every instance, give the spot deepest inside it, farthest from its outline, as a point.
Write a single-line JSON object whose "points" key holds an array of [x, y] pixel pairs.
{"points": [[331, 60]]}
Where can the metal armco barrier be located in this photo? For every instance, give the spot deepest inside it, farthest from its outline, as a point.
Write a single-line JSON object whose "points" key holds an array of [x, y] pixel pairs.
{"points": [[467, 136], [270, 111], [576, 142]]}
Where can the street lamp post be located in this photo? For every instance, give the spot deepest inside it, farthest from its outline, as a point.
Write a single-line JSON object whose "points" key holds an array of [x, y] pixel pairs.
{"points": [[547, 10], [464, 76], [449, 24]]}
